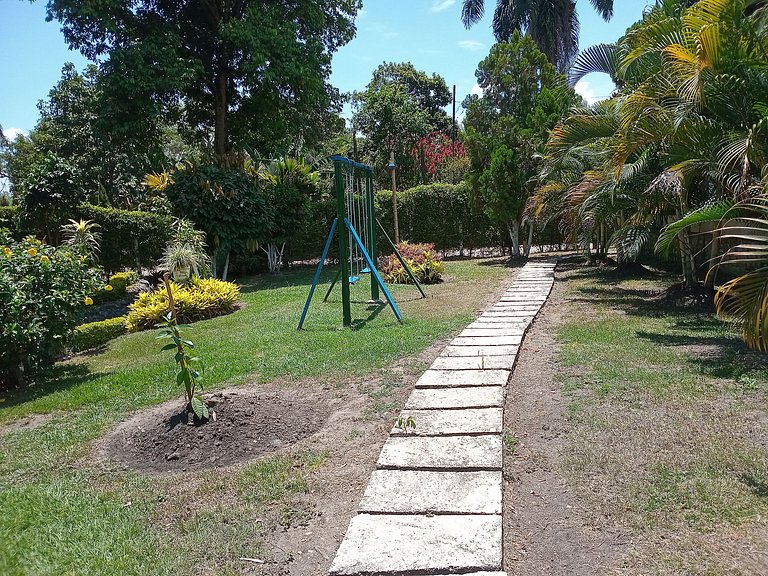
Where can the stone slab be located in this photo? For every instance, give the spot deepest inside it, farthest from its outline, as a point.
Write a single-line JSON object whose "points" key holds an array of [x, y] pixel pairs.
{"points": [[509, 320], [452, 422], [518, 324], [486, 362], [483, 350], [450, 379], [501, 313], [446, 398], [430, 492], [486, 341], [377, 544], [445, 453]]}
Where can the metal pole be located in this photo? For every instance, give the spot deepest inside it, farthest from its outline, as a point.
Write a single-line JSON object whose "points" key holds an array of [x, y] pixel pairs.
{"points": [[374, 253], [453, 126], [343, 242], [394, 196]]}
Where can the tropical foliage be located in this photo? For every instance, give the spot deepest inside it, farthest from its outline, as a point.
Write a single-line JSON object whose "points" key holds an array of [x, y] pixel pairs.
{"points": [[424, 262], [681, 142]]}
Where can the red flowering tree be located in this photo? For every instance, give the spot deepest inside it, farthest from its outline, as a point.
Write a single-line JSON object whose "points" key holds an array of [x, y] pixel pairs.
{"points": [[434, 153]]}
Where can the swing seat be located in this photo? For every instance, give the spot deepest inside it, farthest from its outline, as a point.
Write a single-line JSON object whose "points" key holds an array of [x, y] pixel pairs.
{"points": [[354, 279], [365, 270]]}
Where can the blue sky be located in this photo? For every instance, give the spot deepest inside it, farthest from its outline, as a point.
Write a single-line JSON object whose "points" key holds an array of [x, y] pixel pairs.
{"points": [[428, 33]]}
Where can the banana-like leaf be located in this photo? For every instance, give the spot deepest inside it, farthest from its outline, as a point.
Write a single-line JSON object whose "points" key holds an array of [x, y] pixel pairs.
{"points": [[714, 212]]}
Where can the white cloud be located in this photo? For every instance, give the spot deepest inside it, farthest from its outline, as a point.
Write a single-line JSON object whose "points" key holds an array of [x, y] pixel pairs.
{"points": [[13, 133], [472, 45], [585, 90], [441, 5], [476, 90]]}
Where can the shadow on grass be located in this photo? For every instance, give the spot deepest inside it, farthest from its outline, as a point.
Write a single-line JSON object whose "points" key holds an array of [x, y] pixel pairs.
{"points": [[708, 342], [58, 379]]}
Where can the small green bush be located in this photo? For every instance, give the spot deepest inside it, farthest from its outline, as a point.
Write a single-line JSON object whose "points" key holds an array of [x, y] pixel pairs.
{"points": [[116, 288], [203, 298], [426, 264], [42, 290], [95, 334]]}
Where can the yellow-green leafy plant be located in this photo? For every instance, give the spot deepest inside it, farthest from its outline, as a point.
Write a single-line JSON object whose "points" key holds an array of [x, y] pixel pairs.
{"points": [[203, 298], [95, 334]]}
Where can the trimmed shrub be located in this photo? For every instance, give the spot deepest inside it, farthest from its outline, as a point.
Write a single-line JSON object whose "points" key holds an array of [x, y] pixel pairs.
{"points": [[203, 298], [42, 290], [95, 334], [116, 288], [426, 264], [129, 239]]}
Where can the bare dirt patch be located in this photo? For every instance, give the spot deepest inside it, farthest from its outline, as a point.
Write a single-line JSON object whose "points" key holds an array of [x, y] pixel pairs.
{"points": [[249, 423], [546, 528]]}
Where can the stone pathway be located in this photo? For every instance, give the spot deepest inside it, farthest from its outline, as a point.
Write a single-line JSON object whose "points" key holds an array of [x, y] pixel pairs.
{"points": [[434, 504]]}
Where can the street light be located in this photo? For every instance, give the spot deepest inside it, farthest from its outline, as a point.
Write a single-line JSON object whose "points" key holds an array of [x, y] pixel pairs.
{"points": [[392, 167]]}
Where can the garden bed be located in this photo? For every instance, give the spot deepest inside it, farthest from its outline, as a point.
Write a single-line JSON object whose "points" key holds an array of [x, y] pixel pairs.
{"points": [[249, 423]]}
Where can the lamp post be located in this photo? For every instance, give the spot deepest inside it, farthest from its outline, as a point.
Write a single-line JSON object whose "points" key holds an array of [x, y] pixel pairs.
{"points": [[392, 167]]}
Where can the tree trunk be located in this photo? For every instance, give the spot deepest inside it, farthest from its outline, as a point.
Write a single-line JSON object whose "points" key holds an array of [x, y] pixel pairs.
{"points": [[530, 239], [514, 236], [714, 250], [226, 266], [220, 136], [687, 261]]}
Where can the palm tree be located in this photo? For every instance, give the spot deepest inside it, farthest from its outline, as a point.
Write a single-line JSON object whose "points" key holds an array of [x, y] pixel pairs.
{"points": [[552, 24]]}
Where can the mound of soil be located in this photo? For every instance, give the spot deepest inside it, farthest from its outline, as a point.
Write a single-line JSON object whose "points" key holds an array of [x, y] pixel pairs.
{"points": [[249, 423]]}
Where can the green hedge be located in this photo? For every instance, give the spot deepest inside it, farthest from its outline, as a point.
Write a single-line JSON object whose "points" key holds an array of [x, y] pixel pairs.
{"points": [[442, 214], [95, 334], [129, 239]]}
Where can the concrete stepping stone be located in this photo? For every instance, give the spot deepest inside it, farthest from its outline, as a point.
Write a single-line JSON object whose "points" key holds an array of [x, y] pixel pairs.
{"points": [[456, 398], [386, 544], [452, 422], [501, 313], [519, 322], [487, 341], [450, 379], [429, 492], [503, 362], [483, 350], [444, 453]]}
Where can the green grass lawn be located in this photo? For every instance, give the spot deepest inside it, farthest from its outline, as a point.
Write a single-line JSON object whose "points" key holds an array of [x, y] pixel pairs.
{"points": [[63, 514], [669, 411]]}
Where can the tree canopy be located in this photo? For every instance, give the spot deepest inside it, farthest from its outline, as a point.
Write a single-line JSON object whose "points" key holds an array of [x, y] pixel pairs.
{"points": [[239, 72], [552, 24], [505, 128], [399, 106]]}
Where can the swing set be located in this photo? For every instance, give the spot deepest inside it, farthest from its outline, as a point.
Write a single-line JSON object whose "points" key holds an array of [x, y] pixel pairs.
{"points": [[357, 239]]}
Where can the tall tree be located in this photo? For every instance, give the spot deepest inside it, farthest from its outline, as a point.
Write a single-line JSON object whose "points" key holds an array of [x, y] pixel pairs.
{"points": [[553, 24], [506, 128], [399, 106], [246, 71]]}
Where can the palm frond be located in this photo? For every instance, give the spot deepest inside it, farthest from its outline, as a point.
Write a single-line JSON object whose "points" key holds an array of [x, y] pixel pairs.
{"points": [[603, 58], [712, 212]]}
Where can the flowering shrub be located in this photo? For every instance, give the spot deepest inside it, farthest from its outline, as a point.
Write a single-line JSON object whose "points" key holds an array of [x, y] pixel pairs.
{"points": [[42, 288], [426, 264], [434, 154], [203, 298]]}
